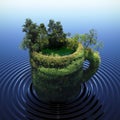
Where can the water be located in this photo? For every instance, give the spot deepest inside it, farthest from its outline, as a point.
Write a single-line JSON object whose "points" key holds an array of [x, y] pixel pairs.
{"points": [[99, 97]]}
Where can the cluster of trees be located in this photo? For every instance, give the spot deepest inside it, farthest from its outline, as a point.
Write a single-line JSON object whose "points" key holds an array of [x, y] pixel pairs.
{"points": [[38, 37]]}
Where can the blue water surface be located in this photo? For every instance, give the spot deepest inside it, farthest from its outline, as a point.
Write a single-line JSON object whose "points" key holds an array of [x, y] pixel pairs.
{"points": [[76, 17]]}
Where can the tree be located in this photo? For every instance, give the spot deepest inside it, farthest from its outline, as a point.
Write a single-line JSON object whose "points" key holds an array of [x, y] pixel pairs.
{"points": [[31, 35], [42, 39], [31, 30], [42, 31], [89, 39], [51, 26], [56, 35]]}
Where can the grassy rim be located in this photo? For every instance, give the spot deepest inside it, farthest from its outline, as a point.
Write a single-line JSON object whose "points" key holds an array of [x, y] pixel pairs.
{"points": [[57, 61]]}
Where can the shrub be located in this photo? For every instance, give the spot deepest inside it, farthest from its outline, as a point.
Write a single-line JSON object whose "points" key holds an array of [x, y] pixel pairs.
{"points": [[72, 43]]}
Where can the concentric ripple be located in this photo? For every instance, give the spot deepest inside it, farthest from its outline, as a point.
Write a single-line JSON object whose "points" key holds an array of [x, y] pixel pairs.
{"points": [[98, 99]]}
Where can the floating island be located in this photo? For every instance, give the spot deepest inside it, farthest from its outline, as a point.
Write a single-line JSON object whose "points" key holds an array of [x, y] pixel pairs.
{"points": [[57, 59]]}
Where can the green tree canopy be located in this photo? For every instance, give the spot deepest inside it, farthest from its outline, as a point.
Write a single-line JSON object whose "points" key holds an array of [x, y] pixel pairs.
{"points": [[38, 36], [31, 31], [89, 40], [56, 35]]}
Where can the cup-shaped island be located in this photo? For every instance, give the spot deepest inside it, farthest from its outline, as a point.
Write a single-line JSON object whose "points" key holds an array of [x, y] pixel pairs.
{"points": [[57, 61]]}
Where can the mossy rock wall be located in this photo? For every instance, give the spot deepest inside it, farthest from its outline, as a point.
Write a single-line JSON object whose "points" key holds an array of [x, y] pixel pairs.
{"points": [[58, 78], [57, 89]]}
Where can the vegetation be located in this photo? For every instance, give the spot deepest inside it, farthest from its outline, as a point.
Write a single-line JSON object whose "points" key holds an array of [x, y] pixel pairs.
{"points": [[89, 40], [39, 37], [57, 60], [56, 36], [57, 52]]}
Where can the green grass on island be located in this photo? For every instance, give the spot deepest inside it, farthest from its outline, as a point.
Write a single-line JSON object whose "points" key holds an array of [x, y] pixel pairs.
{"points": [[58, 52]]}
